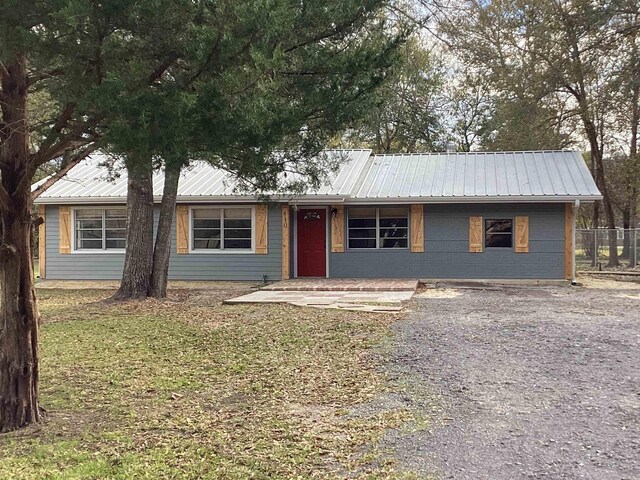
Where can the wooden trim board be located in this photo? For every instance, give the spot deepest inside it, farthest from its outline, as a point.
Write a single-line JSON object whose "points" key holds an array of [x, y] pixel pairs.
{"points": [[42, 243], [286, 243], [568, 241], [417, 228]]}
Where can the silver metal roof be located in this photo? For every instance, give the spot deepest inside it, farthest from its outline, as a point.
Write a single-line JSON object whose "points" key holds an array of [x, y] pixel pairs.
{"points": [[544, 176], [478, 176], [90, 181]]}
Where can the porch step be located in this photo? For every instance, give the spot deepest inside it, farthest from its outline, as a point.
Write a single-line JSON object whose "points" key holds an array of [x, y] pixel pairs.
{"points": [[344, 285]]}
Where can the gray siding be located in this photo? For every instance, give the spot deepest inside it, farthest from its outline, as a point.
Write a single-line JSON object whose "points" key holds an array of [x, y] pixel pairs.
{"points": [[446, 248], [203, 266]]}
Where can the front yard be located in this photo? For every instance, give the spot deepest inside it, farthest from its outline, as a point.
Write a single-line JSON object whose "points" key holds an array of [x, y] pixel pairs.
{"points": [[191, 388]]}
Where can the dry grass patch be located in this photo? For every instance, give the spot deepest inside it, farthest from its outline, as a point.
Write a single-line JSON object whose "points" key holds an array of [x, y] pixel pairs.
{"points": [[191, 388]]}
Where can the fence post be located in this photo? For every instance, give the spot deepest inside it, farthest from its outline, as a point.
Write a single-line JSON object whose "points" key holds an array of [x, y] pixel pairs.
{"points": [[634, 248], [594, 260]]}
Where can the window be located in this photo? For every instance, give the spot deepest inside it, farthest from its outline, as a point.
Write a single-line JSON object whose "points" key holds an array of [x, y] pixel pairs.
{"points": [[100, 228], [221, 228], [498, 233], [378, 227]]}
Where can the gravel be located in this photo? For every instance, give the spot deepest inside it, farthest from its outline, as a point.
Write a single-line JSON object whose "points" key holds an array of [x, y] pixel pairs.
{"points": [[528, 382]]}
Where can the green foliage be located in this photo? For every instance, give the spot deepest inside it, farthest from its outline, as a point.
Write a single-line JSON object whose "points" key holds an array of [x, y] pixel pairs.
{"points": [[232, 82]]}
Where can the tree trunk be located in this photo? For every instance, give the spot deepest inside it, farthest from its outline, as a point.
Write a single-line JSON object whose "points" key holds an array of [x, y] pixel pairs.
{"points": [[162, 250], [601, 181], [626, 222], [138, 261], [19, 363]]}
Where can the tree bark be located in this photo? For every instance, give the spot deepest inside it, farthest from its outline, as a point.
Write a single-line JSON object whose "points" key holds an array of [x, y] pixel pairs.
{"points": [[162, 250], [138, 261], [626, 222], [19, 362]]}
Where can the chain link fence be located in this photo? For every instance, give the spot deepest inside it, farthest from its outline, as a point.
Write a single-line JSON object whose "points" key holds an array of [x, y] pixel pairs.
{"points": [[592, 248]]}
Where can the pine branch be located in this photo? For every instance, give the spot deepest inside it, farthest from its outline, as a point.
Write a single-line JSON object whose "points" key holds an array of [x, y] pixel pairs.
{"points": [[63, 171]]}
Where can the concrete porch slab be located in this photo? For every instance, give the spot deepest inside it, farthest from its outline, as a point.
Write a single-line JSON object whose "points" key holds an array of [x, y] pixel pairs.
{"points": [[314, 298], [344, 285]]}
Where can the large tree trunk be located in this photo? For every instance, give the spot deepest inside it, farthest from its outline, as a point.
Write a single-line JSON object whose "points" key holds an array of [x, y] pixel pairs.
{"points": [[138, 261], [19, 322], [601, 181], [162, 250]]}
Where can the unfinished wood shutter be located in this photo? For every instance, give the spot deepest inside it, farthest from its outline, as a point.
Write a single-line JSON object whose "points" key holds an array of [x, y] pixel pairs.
{"points": [[262, 229], [182, 229], [417, 228], [522, 234], [475, 234], [42, 243], [64, 214], [337, 228], [286, 236], [568, 241]]}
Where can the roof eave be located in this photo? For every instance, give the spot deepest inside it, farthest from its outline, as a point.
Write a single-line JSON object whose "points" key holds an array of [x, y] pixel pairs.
{"points": [[323, 199], [479, 199]]}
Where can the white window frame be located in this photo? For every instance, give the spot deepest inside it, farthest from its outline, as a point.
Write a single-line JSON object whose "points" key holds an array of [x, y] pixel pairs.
{"points": [[90, 251], [377, 227], [222, 250]]}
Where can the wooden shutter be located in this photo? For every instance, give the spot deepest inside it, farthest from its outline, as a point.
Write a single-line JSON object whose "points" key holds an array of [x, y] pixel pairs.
{"points": [[64, 224], [568, 241], [42, 243], [262, 229], [522, 234], [182, 229], [475, 234], [417, 228], [286, 236], [337, 228]]}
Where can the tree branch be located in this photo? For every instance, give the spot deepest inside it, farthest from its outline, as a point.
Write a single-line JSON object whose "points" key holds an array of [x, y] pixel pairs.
{"points": [[60, 124], [33, 79], [44, 186]]}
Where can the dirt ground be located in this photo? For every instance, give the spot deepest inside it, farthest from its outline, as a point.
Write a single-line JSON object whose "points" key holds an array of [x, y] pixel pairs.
{"points": [[523, 382]]}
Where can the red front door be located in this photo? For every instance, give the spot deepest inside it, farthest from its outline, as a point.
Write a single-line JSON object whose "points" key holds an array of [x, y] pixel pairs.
{"points": [[312, 242]]}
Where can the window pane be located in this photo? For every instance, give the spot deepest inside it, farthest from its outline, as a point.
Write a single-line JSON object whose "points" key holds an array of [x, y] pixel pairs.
{"points": [[88, 222], [206, 244], [498, 226], [393, 242], [237, 244], [115, 213], [362, 233], [115, 244], [204, 223], [498, 240], [362, 212], [237, 213], [237, 233], [84, 244], [393, 232], [116, 234], [362, 223], [89, 234], [208, 213], [362, 243], [394, 212], [88, 213], [393, 222], [205, 233], [243, 223]]}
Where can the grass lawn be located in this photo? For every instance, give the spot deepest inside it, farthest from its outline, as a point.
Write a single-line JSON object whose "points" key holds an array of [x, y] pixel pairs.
{"points": [[191, 388]]}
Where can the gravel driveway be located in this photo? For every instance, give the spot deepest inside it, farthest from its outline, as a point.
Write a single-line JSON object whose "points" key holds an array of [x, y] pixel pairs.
{"points": [[529, 383]]}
